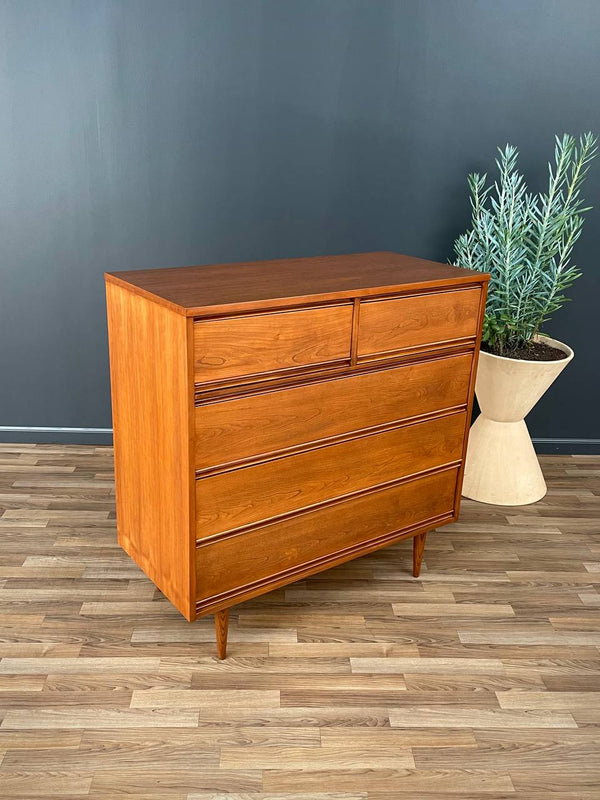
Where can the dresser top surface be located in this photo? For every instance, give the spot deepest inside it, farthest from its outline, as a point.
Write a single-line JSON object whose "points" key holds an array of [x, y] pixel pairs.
{"points": [[251, 285]]}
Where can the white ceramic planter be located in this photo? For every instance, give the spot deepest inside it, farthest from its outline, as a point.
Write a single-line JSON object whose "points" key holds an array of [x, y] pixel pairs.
{"points": [[501, 465]]}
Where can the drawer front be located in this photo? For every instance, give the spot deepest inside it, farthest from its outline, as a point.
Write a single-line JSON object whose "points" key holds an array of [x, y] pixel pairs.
{"points": [[276, 550], [236, 347], [386, 326], [231, 430], [252, 494]]}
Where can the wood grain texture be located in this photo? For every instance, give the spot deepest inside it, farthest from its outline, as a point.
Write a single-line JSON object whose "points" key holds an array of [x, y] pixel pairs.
{"points": [[244, 496], [221, 630], [313, 539], [305, 414], [225, 288], [418, 551], [236, 347], [152, 395], [417, 321], [354, 684]]}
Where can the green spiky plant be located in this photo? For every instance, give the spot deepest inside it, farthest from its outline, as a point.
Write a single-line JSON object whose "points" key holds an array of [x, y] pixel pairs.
{"points": [[525, 241]]}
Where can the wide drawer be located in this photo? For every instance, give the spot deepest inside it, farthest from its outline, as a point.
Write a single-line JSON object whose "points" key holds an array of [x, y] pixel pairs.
{"points": [[279, 550], [405, 323], [235, 347], [246, 427], [256, 493]]}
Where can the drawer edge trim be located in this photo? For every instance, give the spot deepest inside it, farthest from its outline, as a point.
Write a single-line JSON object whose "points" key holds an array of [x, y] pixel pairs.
{"points": [[317, 444], [425, 292], [253, 588], [318, 367], [222, 394], [381, 355], [267, 312], [205, 541]]}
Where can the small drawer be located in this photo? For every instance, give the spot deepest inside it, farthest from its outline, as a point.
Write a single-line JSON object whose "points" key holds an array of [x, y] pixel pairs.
{"points": [[256, 493], [247, 427], [417, 322], [229, 348], [278, 551]]}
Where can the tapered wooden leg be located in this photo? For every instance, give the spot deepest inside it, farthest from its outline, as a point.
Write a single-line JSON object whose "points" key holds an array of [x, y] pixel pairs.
{"points": [[221, 629], [418, 550]]}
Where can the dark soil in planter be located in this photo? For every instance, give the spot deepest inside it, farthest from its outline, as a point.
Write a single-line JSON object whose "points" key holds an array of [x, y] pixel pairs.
{"points": [[534, 351]]}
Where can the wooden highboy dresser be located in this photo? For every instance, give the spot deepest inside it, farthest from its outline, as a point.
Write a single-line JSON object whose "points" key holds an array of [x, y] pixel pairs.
{"points": [[273, 419]]}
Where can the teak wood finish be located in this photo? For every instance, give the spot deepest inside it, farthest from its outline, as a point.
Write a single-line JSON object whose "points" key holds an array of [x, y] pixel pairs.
{"points": [[274, 419], [234, 347]]}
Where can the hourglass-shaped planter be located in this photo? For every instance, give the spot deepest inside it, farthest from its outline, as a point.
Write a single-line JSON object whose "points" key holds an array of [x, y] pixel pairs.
{"points": [[501, 466]]}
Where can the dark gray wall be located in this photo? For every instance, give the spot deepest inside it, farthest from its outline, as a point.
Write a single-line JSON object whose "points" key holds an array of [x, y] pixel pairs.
{"points": [[146, 133]]}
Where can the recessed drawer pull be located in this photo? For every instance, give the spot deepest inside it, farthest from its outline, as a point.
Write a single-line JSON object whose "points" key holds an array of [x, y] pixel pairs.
{"points": [[246, 496], [246, 427]]}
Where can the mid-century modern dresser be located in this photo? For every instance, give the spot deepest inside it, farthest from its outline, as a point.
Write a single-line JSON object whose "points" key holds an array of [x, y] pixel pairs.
{"points": [[273, 419]]}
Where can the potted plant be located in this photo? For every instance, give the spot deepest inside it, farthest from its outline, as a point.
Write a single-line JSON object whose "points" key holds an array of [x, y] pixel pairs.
{"points": [[525, 241]]}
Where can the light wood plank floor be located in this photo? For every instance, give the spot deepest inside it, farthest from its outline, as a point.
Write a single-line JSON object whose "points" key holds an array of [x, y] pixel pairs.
{"points": [[480, 680]]}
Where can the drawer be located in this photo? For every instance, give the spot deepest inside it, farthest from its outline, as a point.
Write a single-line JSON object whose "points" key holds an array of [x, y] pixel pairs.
{"points": [[278, 551], [246, 427], [237, 347], [256, 493], [404, 323]]}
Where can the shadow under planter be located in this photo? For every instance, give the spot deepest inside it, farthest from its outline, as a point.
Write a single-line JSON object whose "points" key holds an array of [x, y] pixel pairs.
{"points": [[501, 466]]}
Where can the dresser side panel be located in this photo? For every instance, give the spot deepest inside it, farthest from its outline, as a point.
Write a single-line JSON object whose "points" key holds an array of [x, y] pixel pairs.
{"points": [[471, 395], [152, 399]]}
